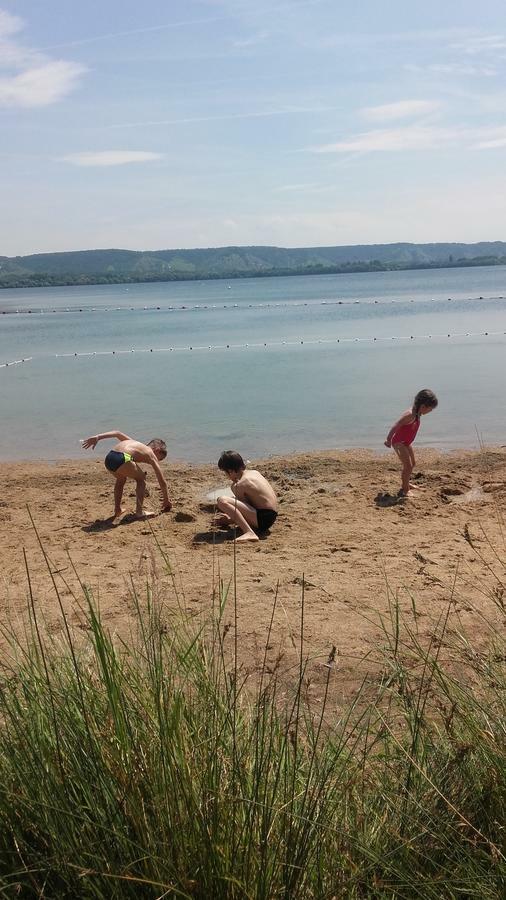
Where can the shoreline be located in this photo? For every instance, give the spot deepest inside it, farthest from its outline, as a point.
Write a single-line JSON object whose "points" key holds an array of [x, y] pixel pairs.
{"points": [[378, 452]]}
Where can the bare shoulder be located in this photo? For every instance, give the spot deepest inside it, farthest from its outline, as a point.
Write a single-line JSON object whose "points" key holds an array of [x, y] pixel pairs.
{"points": [[252, 476], [139, 450], [136, 445]]}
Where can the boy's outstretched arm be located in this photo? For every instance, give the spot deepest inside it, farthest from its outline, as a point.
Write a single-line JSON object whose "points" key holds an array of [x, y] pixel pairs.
{"points": [[91, 442]]}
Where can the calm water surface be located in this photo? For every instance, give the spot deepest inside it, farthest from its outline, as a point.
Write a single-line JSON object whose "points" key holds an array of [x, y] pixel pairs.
{"points": [[301, 370]]}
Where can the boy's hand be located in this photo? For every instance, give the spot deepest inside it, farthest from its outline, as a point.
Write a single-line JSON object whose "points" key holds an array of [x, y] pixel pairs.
{"points": [[166, 506], [89, 443]]}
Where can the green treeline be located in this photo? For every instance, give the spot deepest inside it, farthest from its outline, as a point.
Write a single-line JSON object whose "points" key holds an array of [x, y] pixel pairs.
{"points": [[26, 279]]}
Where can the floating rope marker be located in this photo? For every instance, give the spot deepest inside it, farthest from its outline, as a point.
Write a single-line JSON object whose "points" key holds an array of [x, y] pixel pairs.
{"points": [[15, 362], [260, 344], [260, 305]]}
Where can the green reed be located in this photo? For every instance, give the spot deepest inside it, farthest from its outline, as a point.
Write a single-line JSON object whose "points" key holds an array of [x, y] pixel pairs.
{"points": [[156, 768]]}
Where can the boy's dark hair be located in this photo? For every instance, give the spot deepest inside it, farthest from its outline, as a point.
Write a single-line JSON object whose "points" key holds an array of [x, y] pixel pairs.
{"points": [[158, 444], [231, 461], [424, 398]]}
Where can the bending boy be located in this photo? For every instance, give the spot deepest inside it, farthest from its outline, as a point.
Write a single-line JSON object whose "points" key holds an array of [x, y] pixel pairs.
{"points": [[255, 506], [122, 462]]}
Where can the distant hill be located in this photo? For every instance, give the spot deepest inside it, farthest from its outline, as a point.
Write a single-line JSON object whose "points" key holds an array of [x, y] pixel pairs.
{"points": [[103, 266]]}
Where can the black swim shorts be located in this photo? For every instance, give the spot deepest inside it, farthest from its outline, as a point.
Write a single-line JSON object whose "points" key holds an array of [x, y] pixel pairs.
{"points": [[265, 518]]}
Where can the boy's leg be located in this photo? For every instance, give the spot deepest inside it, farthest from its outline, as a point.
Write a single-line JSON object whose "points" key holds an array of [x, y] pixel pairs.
{"points": [[403, 453], [118, 494], [241, 514], [132, 470]]}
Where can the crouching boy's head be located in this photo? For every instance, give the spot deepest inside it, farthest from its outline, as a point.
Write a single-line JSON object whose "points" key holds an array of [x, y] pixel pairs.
{"points": [[231, 463], [159, 448]]}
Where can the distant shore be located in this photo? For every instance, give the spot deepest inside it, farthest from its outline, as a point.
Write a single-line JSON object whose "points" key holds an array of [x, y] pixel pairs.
{"points": [[46, 280]]}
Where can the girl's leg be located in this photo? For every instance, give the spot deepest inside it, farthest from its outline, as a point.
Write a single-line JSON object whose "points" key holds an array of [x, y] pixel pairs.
{"points": [[403, 453], [412, 461], [241, 514]]}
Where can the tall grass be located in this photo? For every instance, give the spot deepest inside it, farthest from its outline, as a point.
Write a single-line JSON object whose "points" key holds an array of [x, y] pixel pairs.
{"points": [[154, 768]]}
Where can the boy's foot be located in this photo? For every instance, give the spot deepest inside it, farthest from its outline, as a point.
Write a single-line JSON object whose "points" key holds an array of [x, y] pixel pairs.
{"points": [[247, 536], [118, 512], [221, 520], [145, 514]]}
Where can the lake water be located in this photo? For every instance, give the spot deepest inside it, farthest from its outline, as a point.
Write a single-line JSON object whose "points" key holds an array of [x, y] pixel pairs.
{"points": [[277, 365]]}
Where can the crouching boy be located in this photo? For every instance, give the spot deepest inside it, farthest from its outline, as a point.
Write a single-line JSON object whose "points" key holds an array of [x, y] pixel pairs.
{"points": [[254, 508]]}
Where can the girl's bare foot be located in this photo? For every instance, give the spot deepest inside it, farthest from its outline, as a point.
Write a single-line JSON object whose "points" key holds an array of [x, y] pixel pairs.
{"points": [[247, 536]]}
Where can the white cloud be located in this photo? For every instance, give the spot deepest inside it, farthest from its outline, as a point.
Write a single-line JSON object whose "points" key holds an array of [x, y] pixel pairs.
{"points": [[484, 44], [403, 109], [251, 41], [494, 138], [9, 24], [304, 188], [33, 79], [453, 69], [188, 120], [412, 137], [40, 86], [111, 157]]}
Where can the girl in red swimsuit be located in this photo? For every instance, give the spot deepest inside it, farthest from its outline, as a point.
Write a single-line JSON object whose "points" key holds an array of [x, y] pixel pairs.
{"points": [[403, 433]]}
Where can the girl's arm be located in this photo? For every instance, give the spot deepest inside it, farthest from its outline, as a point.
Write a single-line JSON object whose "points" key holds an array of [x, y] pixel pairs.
{"points": [[91, 442], [404, 420]]}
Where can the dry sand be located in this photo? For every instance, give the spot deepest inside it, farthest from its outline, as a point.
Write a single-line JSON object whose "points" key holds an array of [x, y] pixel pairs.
{"points": [[442, 547]]}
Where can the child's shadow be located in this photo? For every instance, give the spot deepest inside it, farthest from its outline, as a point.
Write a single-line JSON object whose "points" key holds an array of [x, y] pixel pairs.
{"points": [[106, 524], [223, 536], [215, 537], [384, 499]]}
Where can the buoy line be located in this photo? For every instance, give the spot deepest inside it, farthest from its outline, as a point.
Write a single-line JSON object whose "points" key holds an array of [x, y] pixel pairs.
{"points": [[192, 307], [287, 343], [296, 342], [15, 362]]}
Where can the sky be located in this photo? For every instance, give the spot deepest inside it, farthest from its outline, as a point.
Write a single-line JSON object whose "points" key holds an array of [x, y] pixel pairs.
{"points": [[202, 123]]}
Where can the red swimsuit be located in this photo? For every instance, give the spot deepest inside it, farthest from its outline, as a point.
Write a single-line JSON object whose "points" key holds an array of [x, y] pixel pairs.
{"points": [[406, 433]]}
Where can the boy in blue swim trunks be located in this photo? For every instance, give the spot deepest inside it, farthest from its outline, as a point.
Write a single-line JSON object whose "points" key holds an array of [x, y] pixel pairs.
{"points": [[254, 507], [123, 462]]}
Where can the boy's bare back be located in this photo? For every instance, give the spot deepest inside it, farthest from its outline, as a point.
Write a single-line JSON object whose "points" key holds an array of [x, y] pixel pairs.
{"points": [[254, 489], [138, 451]]}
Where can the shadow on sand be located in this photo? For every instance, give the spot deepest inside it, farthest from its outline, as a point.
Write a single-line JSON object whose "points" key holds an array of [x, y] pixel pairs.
{"points": [[384, 499], [222, 536], [106, 524]]}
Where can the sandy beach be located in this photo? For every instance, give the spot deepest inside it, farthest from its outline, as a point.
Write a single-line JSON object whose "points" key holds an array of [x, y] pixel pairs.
{"points": [[354, 547]]}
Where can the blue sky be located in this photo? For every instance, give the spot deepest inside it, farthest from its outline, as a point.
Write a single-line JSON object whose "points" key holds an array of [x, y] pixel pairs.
{"points": [[313, 122]]}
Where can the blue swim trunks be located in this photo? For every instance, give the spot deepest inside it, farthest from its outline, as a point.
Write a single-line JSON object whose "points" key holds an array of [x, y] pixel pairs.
{"points": [[115, 459]]}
